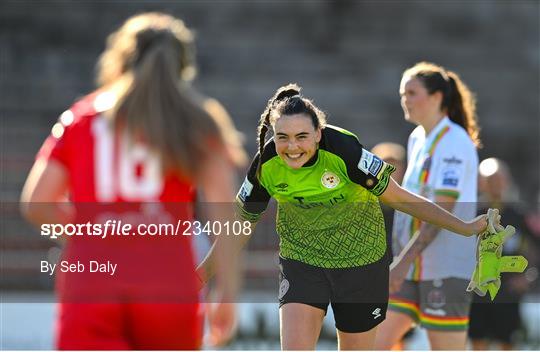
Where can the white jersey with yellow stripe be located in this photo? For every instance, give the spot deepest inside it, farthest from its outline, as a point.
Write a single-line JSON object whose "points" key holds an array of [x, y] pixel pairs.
{"points": [[444, 162]]}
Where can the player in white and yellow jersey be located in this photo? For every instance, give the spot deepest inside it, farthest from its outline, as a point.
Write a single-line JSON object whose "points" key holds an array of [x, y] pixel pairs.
{"points": [[432, 267]]}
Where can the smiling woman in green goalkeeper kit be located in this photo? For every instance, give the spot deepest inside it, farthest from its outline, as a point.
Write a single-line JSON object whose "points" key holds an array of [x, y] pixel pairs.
{"points": [[331, 228]]}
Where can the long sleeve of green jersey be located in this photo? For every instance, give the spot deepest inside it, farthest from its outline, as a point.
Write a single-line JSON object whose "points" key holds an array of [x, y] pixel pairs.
{"points": [[252, 198]]}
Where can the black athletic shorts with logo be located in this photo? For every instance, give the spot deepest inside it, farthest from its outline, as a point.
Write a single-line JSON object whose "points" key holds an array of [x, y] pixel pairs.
{"points": [[359, 295]]}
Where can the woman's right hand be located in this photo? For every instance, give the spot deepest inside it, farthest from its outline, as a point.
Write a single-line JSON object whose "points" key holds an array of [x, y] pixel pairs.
{"points": [[491, 221], [477, 226]]}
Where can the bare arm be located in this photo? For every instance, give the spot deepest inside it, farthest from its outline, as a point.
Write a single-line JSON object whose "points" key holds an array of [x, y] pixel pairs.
{"points": [[43, 199], [206, 269], [402, 263], [421, 208], [217, 182], [427, 233]]}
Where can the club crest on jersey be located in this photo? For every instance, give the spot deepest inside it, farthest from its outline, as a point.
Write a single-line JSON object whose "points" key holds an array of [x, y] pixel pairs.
{"points": [[330, 180]]}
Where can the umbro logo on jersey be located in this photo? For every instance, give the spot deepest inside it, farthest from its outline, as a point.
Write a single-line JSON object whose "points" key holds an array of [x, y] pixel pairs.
{"points": [[282, 187], [376, 313]]}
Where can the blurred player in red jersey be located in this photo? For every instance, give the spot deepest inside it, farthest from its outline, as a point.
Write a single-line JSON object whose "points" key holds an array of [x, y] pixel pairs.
{"points": [[144, 136]]}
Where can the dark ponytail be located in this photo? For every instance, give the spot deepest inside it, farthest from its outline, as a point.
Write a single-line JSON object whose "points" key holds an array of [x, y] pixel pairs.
{"points": [[461, 107], [290, 90]]}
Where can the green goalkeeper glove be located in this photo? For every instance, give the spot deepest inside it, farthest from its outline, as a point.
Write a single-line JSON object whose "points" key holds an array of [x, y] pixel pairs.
{"points": [[490, 262]]}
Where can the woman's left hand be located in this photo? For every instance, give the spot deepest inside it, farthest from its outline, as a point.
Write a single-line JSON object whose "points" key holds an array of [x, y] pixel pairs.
{"points": [[398, 273], [222, 323]]}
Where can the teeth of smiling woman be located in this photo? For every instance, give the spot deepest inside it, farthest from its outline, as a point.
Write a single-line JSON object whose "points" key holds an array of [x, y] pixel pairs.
{"points": [[294, 156]]}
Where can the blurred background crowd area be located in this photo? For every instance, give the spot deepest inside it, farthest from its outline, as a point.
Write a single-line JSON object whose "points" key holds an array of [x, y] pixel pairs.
{"points": [[347, 55]]}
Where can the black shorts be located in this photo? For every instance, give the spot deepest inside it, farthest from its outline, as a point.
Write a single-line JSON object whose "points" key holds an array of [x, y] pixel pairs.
{"points": [[359, 295], [494, 321]]}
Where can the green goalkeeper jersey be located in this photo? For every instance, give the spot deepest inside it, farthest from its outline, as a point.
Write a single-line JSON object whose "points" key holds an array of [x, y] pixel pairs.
{"points": [[328, 211]]}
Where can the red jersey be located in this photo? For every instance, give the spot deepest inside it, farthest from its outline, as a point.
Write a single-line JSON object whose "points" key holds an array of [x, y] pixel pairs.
{"points": [[103, 164], [111, 176]]}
